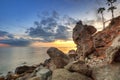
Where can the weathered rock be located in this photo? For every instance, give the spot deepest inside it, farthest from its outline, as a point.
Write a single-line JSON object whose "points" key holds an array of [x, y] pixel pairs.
{"points": [[107, 72], [23, 69], [11, 76], [72, 55], [35, 78], [80, 67], [82, 36], [44, 74], [57, 57], [50, 64], [113, 52], [63, 74], [40, 73], [25, 77], [2, 78], [104, 38]]}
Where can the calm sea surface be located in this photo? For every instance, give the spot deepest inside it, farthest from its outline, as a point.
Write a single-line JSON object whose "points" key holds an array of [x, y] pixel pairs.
{"points": [[11, 57]]}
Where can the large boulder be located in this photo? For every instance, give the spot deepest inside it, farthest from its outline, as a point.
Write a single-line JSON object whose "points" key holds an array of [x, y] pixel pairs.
{"points": [[107, 72], [23, 69], [63, 74], [57, 57], [80, 67], [82, 36]]}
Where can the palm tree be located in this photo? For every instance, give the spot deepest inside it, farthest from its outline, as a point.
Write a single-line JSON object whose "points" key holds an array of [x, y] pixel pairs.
{"points": [[110, 2], [100, 10], [112, 7]]}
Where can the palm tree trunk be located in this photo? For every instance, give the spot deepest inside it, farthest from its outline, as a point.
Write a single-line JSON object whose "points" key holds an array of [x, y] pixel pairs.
{"points": [[103, 21], [112, 11], [112, 14]]}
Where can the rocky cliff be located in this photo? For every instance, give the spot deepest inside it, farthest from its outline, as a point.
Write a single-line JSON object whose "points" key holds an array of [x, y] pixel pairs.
{"points": [[89, 41], [97, 57]]}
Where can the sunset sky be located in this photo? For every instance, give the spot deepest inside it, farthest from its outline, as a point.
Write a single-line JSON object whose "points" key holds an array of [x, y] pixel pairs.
{"points": [[45, 23]]}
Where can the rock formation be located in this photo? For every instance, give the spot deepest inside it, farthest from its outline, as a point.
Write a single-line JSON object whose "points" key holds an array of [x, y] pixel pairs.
{"points": [[88, 42], [113, 52], [72, 55], [58, 58], [82, 36], [79, 67], [23, 69]]}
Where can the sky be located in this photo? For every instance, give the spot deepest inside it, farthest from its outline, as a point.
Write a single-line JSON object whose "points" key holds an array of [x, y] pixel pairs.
{"points": [[46, 23]]}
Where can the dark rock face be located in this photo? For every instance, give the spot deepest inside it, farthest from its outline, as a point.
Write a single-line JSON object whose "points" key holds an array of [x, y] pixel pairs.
{"points": [[57, 57], [23, 69], [82, 36]]}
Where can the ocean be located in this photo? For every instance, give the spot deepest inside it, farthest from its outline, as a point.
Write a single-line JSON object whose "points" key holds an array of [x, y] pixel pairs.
{"points": [[12, 57]]}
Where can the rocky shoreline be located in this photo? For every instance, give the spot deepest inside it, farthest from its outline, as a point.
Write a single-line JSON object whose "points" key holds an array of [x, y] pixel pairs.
{"points": [[97, 57]]}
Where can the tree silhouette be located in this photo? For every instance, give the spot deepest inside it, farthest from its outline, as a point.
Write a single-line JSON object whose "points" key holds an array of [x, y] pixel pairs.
{"points": [[112, 7], [101, 10]]}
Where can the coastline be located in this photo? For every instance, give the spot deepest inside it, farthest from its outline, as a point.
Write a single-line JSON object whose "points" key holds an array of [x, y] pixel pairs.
{"points": [[97, 57]]}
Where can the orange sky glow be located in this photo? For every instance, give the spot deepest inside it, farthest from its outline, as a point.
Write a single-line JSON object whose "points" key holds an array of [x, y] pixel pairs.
{"points": [[65, 46], [4, 45]]}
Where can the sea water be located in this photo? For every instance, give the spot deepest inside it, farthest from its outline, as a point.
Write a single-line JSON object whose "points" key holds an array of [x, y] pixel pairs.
{"points": [[12, 57]]}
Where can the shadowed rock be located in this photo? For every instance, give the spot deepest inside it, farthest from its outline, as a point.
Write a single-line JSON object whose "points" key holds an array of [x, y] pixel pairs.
{"points": [[58, 58], [23, 69]]}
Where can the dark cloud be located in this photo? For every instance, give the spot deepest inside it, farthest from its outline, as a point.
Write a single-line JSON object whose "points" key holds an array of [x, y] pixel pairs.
{"points": [[4, 33], [53, 27], [15, 42], [9, 39]]}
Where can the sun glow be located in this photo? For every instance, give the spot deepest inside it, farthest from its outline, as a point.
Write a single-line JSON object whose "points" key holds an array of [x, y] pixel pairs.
{"points": [[65, 46], [58, 43]]}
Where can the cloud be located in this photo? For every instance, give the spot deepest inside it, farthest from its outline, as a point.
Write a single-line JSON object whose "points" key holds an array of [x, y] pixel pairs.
{"points": [[15, 42], [53, 27], [9, 39], [5, 34]]}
